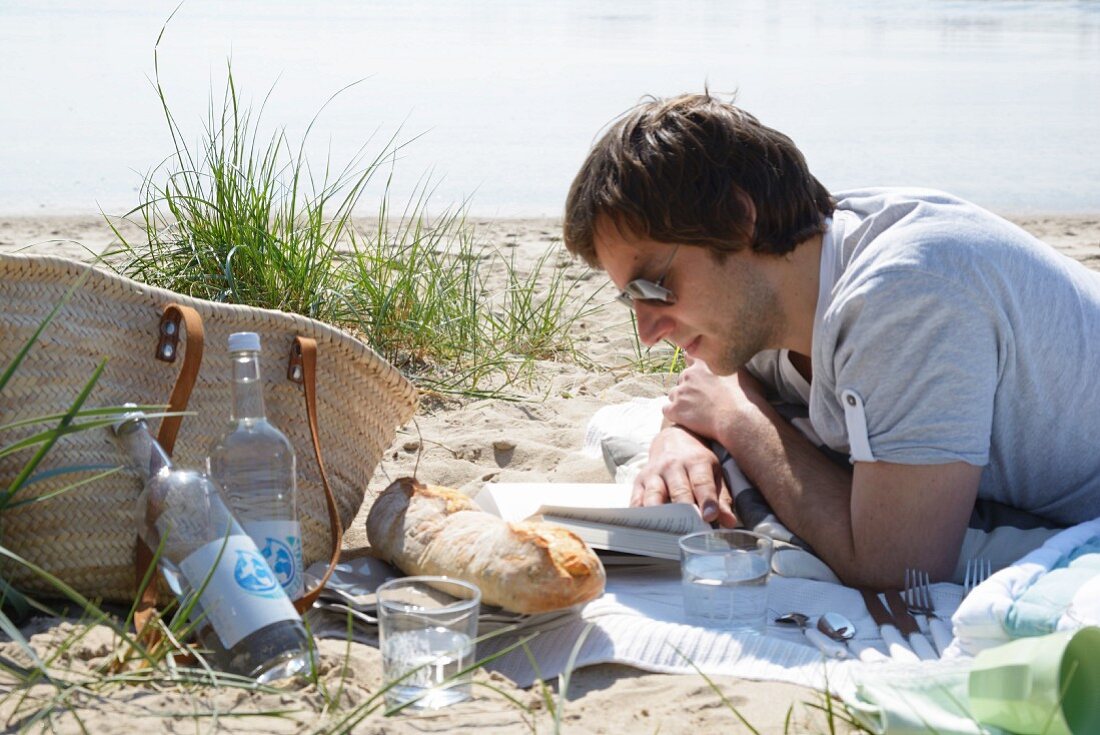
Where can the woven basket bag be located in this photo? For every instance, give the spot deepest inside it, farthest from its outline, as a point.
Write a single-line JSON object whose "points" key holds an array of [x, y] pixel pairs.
{"points": [[86, 536]]}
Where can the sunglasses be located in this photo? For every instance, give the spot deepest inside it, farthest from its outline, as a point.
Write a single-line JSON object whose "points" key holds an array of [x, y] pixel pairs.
{"points": [[643, 289]]}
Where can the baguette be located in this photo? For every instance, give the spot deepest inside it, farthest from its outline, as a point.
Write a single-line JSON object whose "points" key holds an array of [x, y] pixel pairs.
{"points": [[526, 567]]}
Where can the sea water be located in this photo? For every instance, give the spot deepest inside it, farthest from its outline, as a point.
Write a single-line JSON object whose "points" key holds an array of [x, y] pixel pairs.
{"points": [[437, 655], [726, 590], [992, 100]]}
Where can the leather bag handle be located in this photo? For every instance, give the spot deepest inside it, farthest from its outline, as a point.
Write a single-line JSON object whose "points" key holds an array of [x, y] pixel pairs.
{"points": [[167, 350], [303, 369]]}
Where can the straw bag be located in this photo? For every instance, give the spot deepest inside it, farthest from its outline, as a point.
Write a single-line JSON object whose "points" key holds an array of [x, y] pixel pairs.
{"points": [[86, 536]]}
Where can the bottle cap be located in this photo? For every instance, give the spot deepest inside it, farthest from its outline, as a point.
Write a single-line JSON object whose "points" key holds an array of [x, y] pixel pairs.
{"points": [[244, 342], [127, 417]]}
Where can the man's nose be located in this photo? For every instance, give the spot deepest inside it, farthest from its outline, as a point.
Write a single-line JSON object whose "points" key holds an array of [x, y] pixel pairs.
{"points": [[654, 323]]}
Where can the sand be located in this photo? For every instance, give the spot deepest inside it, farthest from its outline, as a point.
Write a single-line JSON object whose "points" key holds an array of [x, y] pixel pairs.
{"points": [[460, 443]]}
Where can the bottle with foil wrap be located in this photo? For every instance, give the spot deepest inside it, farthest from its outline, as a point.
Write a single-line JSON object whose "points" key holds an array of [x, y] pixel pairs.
{"points": [[246, 622]]}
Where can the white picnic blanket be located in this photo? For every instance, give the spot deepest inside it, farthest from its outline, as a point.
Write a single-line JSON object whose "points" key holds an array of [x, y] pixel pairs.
{"points": [[639, 622]]}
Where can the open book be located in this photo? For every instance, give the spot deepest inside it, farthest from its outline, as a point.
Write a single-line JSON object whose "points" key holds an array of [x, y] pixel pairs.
{"points": [[597, 512]]}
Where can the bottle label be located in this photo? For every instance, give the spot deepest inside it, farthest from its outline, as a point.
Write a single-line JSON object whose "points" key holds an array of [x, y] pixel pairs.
{"points": [[242, 594], [280, 542]]}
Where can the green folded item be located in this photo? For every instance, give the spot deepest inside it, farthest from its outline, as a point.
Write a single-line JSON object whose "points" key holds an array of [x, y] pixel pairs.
{"points": [[917, 699], [1047, 685], [1044, 685]]}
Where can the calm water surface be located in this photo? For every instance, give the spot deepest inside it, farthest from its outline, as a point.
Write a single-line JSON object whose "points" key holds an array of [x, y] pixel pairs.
{"points": [[996, 100]]}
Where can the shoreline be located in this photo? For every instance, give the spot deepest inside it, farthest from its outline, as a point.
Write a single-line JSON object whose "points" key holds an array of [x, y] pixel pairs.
{"points": [[20, 230]]}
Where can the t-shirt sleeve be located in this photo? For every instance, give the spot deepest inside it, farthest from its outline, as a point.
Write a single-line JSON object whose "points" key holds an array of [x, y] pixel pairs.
{"points": [[922, 353]]}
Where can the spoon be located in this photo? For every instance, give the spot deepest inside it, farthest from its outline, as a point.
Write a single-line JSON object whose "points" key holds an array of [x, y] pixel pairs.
{"points": [[793, 618], [818, 638], [837, 627]]}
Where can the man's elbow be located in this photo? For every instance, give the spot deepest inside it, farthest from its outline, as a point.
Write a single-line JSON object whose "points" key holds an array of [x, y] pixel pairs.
{"points": [[870, 576], [883, 569]]}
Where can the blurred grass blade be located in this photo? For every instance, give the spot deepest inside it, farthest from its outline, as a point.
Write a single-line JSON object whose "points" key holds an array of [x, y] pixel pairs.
{"points": [[107, 472], [67, 591], [62, 425], [151, 411]]}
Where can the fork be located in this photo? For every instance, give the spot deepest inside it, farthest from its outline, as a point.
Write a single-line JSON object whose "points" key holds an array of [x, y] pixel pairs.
{"points": [[977, 571], [918, 599]]}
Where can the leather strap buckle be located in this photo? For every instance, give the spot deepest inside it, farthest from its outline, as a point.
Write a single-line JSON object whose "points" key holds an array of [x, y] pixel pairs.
{"points": [[295, 371], [168, 344]]}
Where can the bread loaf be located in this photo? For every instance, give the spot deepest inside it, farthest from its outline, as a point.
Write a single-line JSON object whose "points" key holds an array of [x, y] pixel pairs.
{"points": [[526, 567]]}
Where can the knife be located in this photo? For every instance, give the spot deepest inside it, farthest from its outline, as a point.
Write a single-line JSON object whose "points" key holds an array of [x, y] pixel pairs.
{"points": [[909, 628], [895, 643]]}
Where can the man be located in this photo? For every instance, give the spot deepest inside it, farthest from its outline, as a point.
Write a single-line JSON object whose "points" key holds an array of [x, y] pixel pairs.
{"points": [[946, 351]]}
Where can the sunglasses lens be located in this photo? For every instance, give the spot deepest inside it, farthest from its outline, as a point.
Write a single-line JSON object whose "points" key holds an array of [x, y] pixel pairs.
{"points": [[643, 290]]}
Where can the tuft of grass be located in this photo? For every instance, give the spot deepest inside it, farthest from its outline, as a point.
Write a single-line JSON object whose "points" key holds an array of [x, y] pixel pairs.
{"points": [[834, 711], [243, 218], [416, 295]]}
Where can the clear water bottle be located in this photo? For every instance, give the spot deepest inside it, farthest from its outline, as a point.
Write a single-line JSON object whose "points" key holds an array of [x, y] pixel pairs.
{"points": [[254, 466], [247, 622]]}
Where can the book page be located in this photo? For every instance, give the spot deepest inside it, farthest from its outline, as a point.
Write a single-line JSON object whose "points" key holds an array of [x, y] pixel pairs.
{"points": [[646, 543], [673, 518], [515, 501], [600, 513]]}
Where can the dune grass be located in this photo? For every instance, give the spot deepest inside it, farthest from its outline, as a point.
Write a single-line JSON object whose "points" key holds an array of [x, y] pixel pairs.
{"points": [[242, 217]]}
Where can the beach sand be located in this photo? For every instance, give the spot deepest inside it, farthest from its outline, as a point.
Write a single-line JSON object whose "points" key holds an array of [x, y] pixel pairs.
{"points": [[459, 443]]}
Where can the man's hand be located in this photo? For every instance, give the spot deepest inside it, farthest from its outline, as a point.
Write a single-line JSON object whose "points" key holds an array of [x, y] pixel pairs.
{"points": [[710, 405], [683, 469]]}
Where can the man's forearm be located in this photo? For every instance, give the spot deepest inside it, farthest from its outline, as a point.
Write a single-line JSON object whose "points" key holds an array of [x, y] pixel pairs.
{"points": [[810, 494], [870, 524]]}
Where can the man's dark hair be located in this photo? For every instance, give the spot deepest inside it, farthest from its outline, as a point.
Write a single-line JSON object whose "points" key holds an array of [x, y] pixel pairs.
{"points": [[670, 171]]}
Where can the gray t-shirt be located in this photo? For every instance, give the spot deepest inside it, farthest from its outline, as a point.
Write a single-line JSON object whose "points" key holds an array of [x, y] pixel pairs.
{"points": [[953, 335]]}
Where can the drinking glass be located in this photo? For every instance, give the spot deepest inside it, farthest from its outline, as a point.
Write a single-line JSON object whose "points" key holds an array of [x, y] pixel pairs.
{"points": [[427, 626], [724, 575]]}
